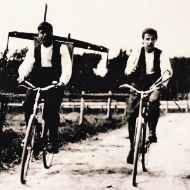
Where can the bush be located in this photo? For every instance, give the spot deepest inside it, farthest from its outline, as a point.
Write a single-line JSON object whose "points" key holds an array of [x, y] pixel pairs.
{"points": [[69, 131]]}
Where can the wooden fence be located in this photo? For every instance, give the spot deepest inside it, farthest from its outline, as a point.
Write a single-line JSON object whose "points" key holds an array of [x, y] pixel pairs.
{"points": [[102, 101]]}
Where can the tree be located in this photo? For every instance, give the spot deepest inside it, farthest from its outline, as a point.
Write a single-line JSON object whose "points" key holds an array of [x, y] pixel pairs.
{"points": [[83, 77], [9, 69], [116, 66]]}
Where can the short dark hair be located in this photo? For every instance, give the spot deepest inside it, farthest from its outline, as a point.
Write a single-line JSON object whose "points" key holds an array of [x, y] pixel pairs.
{"points": [[150, 31], [45, 26]]}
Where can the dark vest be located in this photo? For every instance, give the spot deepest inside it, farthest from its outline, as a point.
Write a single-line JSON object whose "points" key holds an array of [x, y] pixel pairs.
{"points": [[140, 76], [43, 76]]}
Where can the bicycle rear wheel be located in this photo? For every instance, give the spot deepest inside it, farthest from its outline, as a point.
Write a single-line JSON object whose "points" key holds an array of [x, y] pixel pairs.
{"points": [[28, 148], [47, 156], [138, 138]]}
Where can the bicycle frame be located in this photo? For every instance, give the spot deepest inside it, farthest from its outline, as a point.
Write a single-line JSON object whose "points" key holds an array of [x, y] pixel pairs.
{"points": [[140, 137], [35, 108], [140, 127], [37, 98], [140, 107], [31, 132]]}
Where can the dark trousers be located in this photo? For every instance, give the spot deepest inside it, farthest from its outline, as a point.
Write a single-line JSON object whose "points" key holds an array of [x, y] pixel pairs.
{"points": [[52, 101], [133, 110]]}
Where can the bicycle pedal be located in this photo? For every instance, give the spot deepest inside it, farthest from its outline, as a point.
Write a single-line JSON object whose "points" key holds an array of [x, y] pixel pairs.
{"points": [[22, 143], [148, 143], [37, 154]]}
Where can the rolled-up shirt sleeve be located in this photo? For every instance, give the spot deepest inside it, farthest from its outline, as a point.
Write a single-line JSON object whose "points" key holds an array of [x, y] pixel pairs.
{"points": [[132, 62], [66, 65], [165, 66], [27, 65]]}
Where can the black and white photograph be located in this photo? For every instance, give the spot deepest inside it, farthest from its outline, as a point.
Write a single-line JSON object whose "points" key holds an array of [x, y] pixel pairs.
{"points": [[94, 94]]}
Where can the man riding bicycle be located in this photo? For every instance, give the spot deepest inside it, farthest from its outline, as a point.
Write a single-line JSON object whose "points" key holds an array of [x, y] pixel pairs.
{"points": [[143, 68], [45, 62]]}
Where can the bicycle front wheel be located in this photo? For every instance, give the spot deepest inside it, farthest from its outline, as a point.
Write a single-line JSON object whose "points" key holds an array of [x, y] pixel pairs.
{"points": [[28, 148], [144, 148], [137, 150]]}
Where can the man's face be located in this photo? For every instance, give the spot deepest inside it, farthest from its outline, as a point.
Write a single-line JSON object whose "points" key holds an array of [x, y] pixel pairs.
{"points": [[46, 36], [149, 42]]}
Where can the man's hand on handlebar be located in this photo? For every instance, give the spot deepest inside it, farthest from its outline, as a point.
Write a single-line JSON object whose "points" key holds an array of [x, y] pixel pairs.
{"points": [[58, 84], [20, 79], [154, 95]]}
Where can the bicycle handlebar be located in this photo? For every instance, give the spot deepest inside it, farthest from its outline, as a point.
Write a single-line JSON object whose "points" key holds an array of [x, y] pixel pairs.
{"points": [[139, 91], [157, 85], [160, 80], [31, 86]]}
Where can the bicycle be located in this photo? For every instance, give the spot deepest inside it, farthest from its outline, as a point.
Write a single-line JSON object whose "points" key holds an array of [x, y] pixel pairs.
{"points": [[141, 143], [36, 135]]}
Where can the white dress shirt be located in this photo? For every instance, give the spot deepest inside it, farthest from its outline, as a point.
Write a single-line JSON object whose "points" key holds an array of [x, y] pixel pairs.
{"points": [[46, 56], [149, 58]]}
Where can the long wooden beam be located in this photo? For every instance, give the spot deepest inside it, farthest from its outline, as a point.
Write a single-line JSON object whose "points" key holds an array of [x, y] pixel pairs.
{"points": [[77, 43]]}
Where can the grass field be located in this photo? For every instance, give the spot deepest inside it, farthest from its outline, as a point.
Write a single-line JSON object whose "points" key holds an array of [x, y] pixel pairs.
{"points": [[69, 131]]}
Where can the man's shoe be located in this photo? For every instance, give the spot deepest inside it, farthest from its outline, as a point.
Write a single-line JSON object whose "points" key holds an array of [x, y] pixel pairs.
{"points": [[52, 148], [152, 138], [130, 157]]}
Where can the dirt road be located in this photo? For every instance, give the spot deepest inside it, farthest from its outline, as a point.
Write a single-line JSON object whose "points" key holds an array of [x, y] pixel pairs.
{"points": [[100, 163]]}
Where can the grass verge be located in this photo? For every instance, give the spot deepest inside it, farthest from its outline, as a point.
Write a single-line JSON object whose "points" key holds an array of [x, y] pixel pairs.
{"points": [[69, 131]]}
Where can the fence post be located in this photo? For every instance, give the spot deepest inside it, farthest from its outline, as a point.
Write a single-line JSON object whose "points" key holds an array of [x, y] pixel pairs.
{"points": [[187, 107], [166, 106], [125, 109], [108, 116], [81, 109], [1, 120], [3, 111], [116, 108]]}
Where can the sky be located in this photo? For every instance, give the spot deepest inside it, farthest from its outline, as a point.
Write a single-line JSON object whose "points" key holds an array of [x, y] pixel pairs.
{"points": [[115, 24]]}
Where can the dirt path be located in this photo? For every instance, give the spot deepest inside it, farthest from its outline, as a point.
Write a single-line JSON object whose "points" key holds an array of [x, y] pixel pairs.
{"points": [[100, 163]]}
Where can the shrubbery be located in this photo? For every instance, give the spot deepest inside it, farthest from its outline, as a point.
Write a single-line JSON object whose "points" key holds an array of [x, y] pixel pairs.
{"points": [[69, 131], [84, 78]]}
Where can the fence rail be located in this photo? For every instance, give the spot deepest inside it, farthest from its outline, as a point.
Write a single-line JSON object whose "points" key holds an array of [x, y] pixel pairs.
{"points": [[120, 105], [104, 101]]}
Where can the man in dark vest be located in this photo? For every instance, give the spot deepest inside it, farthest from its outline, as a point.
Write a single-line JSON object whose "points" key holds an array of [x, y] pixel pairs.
{"points": [[143, 68], [46, 61]]}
